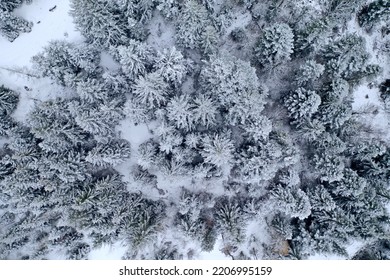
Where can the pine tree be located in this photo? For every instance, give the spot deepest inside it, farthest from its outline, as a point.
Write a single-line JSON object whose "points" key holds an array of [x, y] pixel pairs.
{"points": [[100, 22], [146, 154], [291, 201], [190, 24], [376, 250], [340, 11], [151, 90], [205, 110], [258, 162], [65, 62], [180, 112], [8, 101], [10, 5], [320, 199], [172, 65], [92, 90], [330, 167], [229, 221], [347, 58], [308, 73], [217, 150], [209, 40], [142, 222], [97, 119], [112, 153], [168, 8], [10, 25], [259, 128], [52, 122], [136, 58], [302, 104], [231, 81], [139, 10], [275, 45]]}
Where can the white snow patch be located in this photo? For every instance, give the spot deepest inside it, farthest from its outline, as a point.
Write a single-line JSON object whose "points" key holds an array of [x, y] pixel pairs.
{"points": [[367, 101], [162, 33], [108, 252], [3, 141], [53, 25], [135, 134], [108, 62]]}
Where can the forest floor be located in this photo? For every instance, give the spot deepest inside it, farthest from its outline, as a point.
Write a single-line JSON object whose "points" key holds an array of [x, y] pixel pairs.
{"points": [[54, 24]]}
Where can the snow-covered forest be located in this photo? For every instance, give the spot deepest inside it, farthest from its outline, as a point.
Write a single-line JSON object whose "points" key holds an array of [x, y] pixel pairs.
{"points": [[195, 129]]}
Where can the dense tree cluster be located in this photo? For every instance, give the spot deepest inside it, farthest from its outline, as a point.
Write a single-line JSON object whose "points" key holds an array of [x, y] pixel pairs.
{"points": [[261, 150]]}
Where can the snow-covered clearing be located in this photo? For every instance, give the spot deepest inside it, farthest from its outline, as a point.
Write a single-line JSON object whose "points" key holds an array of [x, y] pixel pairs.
{"points": [[47, 26], [15, 57]]}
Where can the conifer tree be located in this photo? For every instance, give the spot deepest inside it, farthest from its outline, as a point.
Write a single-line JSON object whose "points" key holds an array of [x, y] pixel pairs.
{"points": [[8, 101], [100, 22], [112, 153], [275, 45], [217, 150], [11, 25], [302, 104], [151, 90], [64, 62], [172, 65]]}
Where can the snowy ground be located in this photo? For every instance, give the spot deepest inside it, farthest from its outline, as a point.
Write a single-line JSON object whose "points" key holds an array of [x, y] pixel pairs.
{"points": [[15, 58], [47, 26]]}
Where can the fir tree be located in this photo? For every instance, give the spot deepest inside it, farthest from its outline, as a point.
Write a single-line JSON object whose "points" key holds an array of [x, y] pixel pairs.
{"points": [[100, 22], [302, 104], [8, 101], [151, 90], [112, 153], [275, 45], [180, 112], [217, 150], [10, 25], [172, 65], [65, 62]]}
